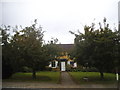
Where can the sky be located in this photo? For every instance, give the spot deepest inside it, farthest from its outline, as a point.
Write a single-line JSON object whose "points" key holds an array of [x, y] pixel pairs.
{"points": [[119, 15], [58, 17]]}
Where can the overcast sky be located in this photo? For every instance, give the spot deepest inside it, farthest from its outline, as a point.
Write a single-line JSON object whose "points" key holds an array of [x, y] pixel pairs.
{"points": [[58, 17]]}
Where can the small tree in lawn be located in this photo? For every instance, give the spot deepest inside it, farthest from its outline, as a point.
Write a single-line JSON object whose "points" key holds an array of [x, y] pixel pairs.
{"points": [[94, 48], [29, 43]]}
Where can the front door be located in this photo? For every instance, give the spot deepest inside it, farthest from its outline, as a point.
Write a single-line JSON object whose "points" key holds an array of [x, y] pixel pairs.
{"points": [[63, 66]]}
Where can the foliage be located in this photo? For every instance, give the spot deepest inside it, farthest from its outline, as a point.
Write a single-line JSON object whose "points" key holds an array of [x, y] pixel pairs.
{"points": [[53, 51], [26, 69], [68, 67], [7, 69], [25, 48], [98, 47], [24, 51], [85, 69], [48, 68], [29, 45]]}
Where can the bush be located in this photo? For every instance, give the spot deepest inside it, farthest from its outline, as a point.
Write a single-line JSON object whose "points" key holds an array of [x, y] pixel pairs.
{"points": [[48, 68], [55, 69], [26, 69], [83, 69], [92, 69], [68, 68]]}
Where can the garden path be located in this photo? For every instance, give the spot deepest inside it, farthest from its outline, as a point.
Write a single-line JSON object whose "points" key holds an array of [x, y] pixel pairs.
{"points": [[66, 79]]}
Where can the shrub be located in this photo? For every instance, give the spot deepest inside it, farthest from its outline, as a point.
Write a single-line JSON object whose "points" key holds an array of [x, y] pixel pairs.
{"points": [[84, 69], [55, 69], [48, 68], [26, 69]]}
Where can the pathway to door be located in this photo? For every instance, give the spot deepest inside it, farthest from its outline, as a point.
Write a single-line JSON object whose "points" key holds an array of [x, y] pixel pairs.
{"points": [[66, 79]]}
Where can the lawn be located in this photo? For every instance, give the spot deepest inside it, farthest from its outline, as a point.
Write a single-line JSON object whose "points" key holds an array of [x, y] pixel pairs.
{"points": [[52, 77], [93, 78]]}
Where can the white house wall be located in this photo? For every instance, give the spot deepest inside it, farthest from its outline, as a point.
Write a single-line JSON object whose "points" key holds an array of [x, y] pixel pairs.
{"points": [[50, 64], [75, 65], [68, 62], [56, 64]]}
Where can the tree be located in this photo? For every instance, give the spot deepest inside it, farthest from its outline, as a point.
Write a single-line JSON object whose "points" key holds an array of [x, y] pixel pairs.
{"points": [[94, 48], [53, 51], [27, 45]]}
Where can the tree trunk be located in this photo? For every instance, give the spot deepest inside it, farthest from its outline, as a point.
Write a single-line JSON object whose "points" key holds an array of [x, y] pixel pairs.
{"points": [[101, 75], [34, 74]]}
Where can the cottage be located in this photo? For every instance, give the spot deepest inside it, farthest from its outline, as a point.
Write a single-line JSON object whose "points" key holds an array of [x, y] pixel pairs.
{"points": [[63, 61]]}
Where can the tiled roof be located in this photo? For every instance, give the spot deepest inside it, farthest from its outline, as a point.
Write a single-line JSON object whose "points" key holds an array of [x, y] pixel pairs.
{"points": [[66, 47]]}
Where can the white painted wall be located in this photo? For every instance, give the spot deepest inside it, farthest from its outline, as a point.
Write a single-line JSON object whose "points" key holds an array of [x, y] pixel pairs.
{"points": [[56, 63], [50, 64], [68, 62], [75, 64]]}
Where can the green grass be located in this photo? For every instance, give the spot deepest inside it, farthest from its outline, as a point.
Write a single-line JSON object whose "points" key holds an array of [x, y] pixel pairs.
{"points": [[93, 78], [52, 77]]}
